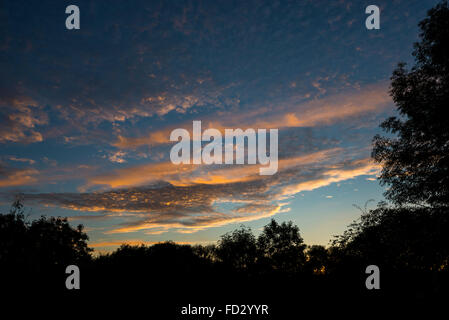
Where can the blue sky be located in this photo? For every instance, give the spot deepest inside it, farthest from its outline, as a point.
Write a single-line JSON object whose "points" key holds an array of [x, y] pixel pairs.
{"points": [[86, 114]]}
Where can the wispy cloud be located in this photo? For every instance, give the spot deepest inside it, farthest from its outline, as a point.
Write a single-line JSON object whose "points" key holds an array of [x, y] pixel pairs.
{"points": [[339, 172], [26, 160], [19, 117], [293, 112], [191, 206], [11, 177], [118, 157]]}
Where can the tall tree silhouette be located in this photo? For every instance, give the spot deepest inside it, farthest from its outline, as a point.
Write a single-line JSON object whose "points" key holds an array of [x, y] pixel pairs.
{"points": [[282, 246], [409, 238], [415, 164], [237, 249]]}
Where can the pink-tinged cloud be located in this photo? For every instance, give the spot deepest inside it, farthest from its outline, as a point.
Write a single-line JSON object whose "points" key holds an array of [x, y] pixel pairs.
{"points": [[22, 116], [184, 175], [142, 175], [12, 177], [293, 112], [191, 206], [325, 111], [337, 174]]}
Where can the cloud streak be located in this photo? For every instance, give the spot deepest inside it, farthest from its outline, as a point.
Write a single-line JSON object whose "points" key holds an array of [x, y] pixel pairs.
{"points": [[12, 177], [191, 206], [293, 112]]}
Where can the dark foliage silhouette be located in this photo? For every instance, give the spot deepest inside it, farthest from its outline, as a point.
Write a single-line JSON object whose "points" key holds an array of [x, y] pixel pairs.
{"points": [[36, 251], [237, 249], [410, 245], [281, 247], [415, 164], [317, 259]]}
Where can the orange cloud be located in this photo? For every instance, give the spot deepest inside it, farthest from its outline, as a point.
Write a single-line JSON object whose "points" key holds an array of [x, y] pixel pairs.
{"points": [[193, 207], [362, 167], [10, 177], [184, 175], [23, 115], [326, 111], [141, 175], [232, 174], [291, 113], [202, 222], [155, 138]]}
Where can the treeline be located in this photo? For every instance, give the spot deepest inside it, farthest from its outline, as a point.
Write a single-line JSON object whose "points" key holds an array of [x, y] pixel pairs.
{"points": [[410, 246]]}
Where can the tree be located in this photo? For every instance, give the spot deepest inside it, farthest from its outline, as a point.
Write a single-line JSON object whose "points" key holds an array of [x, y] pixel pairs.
{"points": [[38, 248], [206, 252], [237, 249], [13, 240], [54, 242], [401, 239], [317, 258], [282, 246], [415, 163]]}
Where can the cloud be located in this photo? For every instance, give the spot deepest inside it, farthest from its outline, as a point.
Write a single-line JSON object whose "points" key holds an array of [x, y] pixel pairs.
{"points": [[292, 112], [186, 209], [16, 159], [141, 175], [165, 103], [184, 175], [117, 157], [10, 177], [337, 173], [325, 111], [191, 206], [154, 138], [19, 117]]}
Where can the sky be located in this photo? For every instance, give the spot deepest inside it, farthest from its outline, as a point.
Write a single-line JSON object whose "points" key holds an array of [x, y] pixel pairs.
{"points": [[86, 115]]}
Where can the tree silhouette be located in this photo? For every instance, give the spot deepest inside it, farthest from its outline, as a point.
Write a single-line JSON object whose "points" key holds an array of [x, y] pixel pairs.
{"points": [[400, 238], [40, 249], [237, 249], [409, 239], [13, 240], [282, 246], [205, 252], [317, 259], [415, 164]]}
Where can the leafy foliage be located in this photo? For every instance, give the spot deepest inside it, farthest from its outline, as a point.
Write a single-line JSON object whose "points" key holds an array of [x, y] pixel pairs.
{"points": [[282, 246], [237, 249], [38, 247], [415, 163]]}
